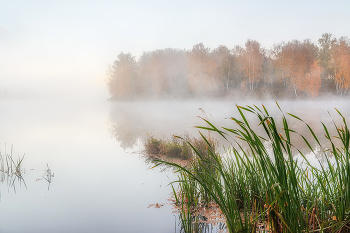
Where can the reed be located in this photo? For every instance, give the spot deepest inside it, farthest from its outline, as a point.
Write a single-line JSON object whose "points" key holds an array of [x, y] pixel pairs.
{"points": [[265, 183]]}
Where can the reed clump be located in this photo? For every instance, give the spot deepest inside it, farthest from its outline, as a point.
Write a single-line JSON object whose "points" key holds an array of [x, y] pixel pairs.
{"points": [[153, 145], [11, 170], [263, 186], [176, 147]]}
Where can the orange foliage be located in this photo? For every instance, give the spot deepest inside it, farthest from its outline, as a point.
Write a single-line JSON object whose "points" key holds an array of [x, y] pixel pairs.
{"points": [[253, 61], [293, 61], [311, 82], [296, 68], [123, 74], [341, 57], [201, 70]]}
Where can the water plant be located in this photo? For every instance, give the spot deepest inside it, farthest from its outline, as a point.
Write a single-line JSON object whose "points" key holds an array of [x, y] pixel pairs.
{"points": [[263, 179]]}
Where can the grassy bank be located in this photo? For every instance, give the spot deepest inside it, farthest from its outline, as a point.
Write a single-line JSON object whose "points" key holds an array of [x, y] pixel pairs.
{"points": [[265, 186]]}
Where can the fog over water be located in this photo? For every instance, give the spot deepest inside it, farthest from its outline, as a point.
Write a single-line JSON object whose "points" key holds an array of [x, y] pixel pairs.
{"points": [[131, 122], [100, 183], [96, 185]]}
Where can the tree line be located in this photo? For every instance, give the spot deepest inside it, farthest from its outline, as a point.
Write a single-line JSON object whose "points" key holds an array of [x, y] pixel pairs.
{"points": [[294, 69]]}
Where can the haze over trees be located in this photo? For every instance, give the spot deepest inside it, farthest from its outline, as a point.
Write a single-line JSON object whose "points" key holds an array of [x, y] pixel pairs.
{"points": [[294, 69]]}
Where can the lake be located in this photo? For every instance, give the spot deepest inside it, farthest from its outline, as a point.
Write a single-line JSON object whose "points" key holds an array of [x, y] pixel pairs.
{"points": [[101, 181]]}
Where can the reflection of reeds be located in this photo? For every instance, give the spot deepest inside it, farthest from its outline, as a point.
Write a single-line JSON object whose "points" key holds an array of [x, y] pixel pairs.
{"points": [[48, 175], [11, 170], [262, 188]]}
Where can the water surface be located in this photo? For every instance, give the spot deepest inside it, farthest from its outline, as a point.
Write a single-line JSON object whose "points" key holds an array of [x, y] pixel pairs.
{"points": [[101, 183]]}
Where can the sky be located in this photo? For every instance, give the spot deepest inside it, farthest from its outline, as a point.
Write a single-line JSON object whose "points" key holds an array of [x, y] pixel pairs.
{"points": [[51, 49]]}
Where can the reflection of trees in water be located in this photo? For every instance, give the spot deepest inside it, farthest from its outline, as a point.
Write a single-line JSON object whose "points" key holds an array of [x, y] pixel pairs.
{"points": [[123, 135], [131, 121], [126, 124]]}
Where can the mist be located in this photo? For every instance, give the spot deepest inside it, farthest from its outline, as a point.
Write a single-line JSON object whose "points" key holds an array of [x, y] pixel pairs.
{"points": [[50, 69], [64, 49], [289, 70]]}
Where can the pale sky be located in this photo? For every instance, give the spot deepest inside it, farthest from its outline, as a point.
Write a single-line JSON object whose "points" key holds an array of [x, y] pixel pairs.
{"points": [[53, 48]]}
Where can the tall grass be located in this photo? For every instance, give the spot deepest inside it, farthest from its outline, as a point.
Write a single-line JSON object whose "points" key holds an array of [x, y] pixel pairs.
{"points": [[264, 182]]}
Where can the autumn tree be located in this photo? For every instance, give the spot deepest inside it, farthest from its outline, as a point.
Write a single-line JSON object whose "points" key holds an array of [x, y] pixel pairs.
{"points": [[158, 83], [341, 58], [174, 71], [253, 62], [293, 62], [122, 77], [238, 68], [224, 65], [163, 72], [312, 81], [295, 68], [145, 74], [152, 72], [201, 70]]}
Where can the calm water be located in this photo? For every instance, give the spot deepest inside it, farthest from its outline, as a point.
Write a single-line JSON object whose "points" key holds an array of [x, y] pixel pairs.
{"points": [[101, 183]]}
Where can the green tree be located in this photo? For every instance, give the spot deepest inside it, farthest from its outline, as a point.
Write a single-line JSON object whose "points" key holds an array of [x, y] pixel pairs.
{"points": [[326, 44]]}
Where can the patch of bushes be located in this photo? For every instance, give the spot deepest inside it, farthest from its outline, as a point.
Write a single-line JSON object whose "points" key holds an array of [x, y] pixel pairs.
{"points": [[177, 147], [153, 145]]}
